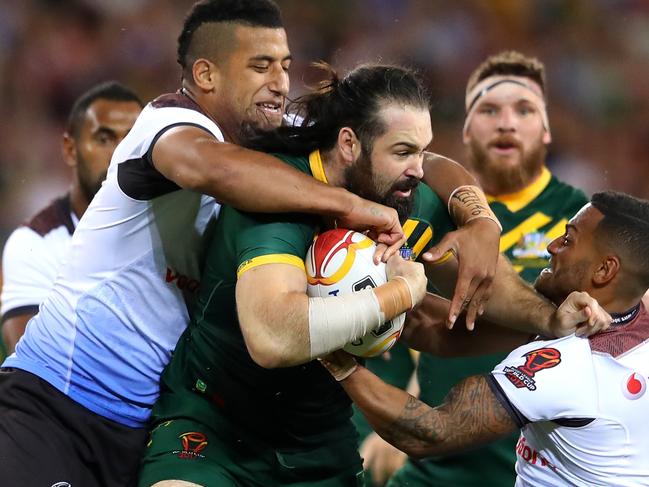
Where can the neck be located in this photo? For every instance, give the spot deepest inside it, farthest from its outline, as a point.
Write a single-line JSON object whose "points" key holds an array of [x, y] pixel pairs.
{"points": [[333, 167], [78, 202], [618, 306], [229, 134]]}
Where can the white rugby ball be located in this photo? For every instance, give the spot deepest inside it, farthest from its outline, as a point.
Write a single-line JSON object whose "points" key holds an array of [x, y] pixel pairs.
{"points": [[342, 261]]}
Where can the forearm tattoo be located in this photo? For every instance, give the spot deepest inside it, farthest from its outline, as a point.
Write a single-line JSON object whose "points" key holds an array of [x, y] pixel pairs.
{"points": [[470, 415]]}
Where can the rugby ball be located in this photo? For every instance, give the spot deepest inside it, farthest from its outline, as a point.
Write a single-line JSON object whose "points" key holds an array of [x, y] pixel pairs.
{"points": [[342, 261]]}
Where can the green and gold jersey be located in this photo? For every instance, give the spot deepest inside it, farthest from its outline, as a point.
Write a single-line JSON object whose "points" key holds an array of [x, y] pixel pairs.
{"points": [[212, 371], [531, 219]]}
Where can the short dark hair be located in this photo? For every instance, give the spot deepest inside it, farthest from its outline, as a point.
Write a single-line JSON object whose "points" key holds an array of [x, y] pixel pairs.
{"points": [[511, 63], [109, 90], [254, 13], [625, 228], [352, 101]]}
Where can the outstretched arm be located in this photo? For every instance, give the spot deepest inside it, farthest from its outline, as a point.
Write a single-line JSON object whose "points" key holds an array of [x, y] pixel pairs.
{"points": [[470, 416], [476, 241], [257, 182]]}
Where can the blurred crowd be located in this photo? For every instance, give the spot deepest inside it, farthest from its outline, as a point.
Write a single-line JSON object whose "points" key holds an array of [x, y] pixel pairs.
{"points": [[596, 53]]}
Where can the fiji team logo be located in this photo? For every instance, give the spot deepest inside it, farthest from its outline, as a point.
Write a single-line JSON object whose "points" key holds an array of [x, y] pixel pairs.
{"points": [[634, 386], [192, 443], [535, 361]]}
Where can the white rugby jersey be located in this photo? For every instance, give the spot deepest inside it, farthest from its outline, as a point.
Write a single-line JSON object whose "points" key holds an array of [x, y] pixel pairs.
{"points": [[119, 305], [582, 405], [32, 257]]}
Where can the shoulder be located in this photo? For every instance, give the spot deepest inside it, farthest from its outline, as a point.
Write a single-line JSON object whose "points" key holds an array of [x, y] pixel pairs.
{"points": [[566, 193], [301, 163], [53, 216], [549, 379]]}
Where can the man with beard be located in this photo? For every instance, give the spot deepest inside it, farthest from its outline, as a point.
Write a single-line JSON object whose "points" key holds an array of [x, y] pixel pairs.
{"points": [[100, 118], [243, 402], [506, 132], [581, 403]]}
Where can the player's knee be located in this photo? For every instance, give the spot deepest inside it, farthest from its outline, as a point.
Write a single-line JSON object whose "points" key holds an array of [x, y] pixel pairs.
{"points": [[175, 483]]}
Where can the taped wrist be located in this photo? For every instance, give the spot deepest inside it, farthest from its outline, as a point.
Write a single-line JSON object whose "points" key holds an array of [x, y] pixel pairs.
{"points": [[395, 297], [468, 203], [336, 321]]}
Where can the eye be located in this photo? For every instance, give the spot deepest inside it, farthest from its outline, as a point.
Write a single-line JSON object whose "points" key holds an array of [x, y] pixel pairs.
{"points": [[260, 68], [565, 240], [487, 110]]}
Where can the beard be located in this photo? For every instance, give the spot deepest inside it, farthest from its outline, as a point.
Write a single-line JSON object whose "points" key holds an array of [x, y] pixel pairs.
{"points": [[505, 177], [361, 180], [556, 286], [88, 184]]}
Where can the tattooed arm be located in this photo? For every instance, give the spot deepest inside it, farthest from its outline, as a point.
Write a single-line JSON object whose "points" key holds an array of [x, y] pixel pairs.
{"points": [[470, 415]]}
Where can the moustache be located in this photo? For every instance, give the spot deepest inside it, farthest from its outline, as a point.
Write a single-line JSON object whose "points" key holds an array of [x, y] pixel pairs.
{"points": [[406, 184]]}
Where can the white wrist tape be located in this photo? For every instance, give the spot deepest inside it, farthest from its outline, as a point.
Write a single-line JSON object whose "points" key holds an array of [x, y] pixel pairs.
{"points": [[336, 321]]}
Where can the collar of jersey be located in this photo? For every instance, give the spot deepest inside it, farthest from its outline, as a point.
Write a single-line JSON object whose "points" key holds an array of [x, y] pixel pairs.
{"points": [[315, 163], [516, 201]]}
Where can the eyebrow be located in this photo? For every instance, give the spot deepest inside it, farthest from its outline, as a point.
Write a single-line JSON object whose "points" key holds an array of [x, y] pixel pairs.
{"points": [[409, 145], [270, 59], [570, 226]]}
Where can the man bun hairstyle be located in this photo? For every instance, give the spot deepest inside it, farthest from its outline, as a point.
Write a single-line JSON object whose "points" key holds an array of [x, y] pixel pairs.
{"points": [[512, 63], [253, 13], [625, 228], [354, 101], [108, 90]]}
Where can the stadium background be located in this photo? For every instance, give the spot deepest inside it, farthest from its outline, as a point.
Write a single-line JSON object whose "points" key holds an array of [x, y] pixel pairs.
{"points": [[596, 52]]}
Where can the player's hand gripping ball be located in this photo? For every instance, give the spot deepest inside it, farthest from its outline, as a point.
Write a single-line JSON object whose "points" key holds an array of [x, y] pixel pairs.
{"points": [[342, 261]]}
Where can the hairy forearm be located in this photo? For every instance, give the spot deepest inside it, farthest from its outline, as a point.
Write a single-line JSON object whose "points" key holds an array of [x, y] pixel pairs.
{"points": [[470, 415], [515, 304]]}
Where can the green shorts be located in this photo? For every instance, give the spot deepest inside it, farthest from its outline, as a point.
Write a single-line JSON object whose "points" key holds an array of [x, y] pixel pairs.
{"points": [[185, 449]]}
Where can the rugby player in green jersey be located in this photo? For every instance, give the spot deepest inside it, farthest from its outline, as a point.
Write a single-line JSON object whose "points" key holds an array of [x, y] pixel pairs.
{"points": [[243, 401], [506, 132]]}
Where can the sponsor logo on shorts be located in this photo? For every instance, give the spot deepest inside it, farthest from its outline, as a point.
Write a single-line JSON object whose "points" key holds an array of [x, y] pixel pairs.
{"points": [[634, 386], [192, 443], [535, 361]]}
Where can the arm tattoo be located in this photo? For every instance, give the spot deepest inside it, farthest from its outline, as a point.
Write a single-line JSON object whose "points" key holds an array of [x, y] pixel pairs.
{"points": [[470, 416]]}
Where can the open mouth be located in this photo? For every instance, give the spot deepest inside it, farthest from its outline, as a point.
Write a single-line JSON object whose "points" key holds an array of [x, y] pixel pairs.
{"points": [[271, 109], [504, 145]]}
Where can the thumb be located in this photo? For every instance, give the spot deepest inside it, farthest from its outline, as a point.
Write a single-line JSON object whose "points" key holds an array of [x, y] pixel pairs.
{"points": [[447, 244]]}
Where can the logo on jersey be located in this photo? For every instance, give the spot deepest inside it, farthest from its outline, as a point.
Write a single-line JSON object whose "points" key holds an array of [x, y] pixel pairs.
{"points": [[531, 250], [192, 443], [61, 484], [634, 386], [535, 361]]}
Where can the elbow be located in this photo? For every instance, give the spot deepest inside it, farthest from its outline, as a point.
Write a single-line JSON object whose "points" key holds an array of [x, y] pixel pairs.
{"points": [[271, 354]]}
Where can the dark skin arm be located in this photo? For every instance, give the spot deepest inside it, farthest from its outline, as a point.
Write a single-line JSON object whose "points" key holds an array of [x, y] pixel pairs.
{"points": [[13, 328], [470, 415], [257, 182], [475, 244], [425, 330]]}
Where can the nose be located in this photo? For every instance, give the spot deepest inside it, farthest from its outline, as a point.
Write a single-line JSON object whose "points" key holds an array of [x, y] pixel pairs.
{"points": [[416, 169], [552, 246], [279, 83], [507, 120]]}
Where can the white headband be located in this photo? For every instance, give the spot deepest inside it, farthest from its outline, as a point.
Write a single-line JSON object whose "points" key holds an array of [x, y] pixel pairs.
{"points": [[493, 82]]}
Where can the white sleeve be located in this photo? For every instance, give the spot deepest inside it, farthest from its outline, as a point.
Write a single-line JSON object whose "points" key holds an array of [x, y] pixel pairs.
{"points": [[29, 267], [547, 380]]}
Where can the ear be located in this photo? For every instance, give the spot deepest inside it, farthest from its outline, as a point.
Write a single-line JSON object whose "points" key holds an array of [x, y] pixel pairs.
{"points": [[205, 74], [69, 150], [607, 269], [348, 146], [547, 137]]}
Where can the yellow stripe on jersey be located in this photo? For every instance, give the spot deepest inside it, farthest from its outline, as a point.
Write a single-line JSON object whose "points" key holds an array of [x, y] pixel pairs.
{"points": [[270, 259], [421, 232], [516, 201], [315, 163], [529, 225]]}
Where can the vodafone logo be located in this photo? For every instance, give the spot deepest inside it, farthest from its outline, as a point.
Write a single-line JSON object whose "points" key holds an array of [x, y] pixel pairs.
{"points": [[634, 386]]}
